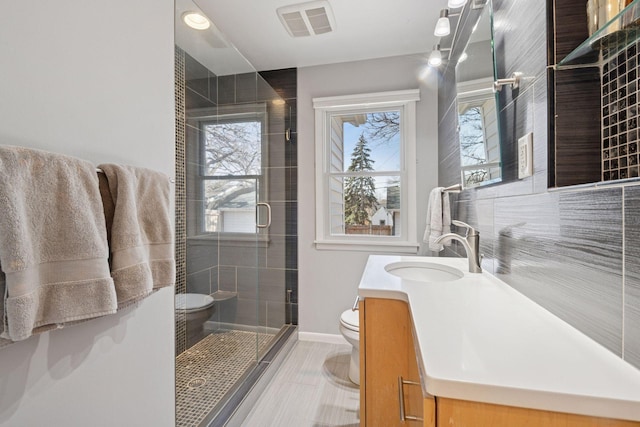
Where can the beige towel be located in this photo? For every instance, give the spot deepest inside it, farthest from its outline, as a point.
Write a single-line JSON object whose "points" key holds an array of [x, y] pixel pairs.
{"points": [[137, 210], [53, 245], [438, 218]]}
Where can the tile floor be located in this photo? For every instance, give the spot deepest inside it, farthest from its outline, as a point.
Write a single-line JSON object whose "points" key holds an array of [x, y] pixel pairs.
{"points": [[311, 389], [209, 369]]}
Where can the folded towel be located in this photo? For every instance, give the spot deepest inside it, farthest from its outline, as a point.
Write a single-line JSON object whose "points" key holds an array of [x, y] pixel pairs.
{"points": [[438, 218], [53, 245], [137, 210]]}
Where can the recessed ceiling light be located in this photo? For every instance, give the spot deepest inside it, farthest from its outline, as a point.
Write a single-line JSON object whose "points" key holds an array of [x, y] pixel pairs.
{"points": [[196, 20]]}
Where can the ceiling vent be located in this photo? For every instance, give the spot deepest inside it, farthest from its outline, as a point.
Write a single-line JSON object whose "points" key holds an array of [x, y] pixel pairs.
{"points": [[306, 19]]}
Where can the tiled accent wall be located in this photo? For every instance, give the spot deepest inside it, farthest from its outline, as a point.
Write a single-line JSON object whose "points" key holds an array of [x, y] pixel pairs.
{"points": [[180, 199], [576, 250], [285, 84], [620, 116]]}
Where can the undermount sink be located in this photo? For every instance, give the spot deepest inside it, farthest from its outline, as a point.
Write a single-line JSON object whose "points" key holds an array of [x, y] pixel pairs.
{"points": [[424, 271]]}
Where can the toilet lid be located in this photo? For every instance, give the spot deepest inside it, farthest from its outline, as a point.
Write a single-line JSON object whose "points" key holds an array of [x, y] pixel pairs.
{"points": [[350, 318], [193, 301]]}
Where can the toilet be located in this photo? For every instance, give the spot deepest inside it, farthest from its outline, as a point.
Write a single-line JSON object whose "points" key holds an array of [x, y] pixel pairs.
{"points": [[198, 309], [350, 329]]}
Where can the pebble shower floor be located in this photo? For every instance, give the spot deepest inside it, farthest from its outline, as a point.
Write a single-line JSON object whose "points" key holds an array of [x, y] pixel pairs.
{"points": [[209, 369]]}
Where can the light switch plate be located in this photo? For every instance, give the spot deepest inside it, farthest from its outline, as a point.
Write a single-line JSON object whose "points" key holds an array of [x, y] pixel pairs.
{"points": [[525, 156]]}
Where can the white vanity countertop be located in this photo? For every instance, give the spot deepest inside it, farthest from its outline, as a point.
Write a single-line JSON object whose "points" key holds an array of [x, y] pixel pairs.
{"points": [[479, 339]]}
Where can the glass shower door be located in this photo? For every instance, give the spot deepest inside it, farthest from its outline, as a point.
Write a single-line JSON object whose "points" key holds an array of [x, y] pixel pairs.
{"points": [[236, 186]]}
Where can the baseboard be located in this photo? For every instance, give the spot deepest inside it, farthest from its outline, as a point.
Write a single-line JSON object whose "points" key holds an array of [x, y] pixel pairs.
{"points": [[326, 338]]}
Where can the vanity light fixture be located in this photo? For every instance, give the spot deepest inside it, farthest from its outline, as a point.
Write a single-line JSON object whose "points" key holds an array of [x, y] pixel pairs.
{"points": [[443, 27], [454, 4], [196, 20]]}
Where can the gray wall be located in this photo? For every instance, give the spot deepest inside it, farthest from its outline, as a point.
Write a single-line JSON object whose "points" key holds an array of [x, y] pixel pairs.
{"points": [[92, 80], [574, 251], [328, 280]]}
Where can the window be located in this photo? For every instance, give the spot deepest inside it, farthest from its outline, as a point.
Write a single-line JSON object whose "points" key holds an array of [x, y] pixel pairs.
{"points": [[479, 141], [231, 154], [365, 173]]}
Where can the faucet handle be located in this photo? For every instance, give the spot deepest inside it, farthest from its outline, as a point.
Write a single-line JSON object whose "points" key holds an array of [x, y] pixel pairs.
{"points": [[470, 230]]}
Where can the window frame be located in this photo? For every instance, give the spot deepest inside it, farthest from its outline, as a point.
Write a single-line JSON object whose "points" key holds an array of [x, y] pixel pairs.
{"points": [[230, 114], [325, 107]]}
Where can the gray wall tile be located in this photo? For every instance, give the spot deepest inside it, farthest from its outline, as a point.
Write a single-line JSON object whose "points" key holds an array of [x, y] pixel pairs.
{"points": [[228, 279], [201, 255], [199, 283], [632, 275], [540, 135], [562, 251]]}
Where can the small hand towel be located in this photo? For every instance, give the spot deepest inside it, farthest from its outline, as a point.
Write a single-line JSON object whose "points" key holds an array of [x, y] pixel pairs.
{"points": [[137, 210], [438, 218], [53, 244]]}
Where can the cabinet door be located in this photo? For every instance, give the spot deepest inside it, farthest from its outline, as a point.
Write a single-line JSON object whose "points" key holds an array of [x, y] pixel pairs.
{"points": [[417, 404], [386, 355]]}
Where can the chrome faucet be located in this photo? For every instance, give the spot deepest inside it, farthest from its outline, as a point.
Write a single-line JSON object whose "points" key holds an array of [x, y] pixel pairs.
{"points": [[471, 243]]}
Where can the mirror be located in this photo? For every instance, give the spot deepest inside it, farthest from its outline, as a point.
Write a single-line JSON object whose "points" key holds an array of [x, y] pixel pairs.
{"points": [[478, 130]]}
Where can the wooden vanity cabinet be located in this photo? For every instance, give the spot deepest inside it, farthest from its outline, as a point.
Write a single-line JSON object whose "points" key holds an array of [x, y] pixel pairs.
{"points": [[389, 376], [387, 353]]}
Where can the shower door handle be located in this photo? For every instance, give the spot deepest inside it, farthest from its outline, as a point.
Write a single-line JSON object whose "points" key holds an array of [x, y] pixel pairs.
{"points": [[268, 206]]}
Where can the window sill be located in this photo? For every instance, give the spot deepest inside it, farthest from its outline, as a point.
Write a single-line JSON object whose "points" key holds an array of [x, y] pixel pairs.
{"points": [[367, 246], [230, 239]]}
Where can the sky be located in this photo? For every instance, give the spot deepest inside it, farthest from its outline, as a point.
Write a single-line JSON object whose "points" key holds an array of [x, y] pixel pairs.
{"points": [[385, 154]]}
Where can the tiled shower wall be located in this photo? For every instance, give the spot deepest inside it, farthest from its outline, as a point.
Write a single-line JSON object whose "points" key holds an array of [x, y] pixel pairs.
{"points": [[575, 251], [230, 266]]}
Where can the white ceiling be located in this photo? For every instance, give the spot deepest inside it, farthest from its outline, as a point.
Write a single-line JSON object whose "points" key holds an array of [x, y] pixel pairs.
{"points": [[364, 29]]}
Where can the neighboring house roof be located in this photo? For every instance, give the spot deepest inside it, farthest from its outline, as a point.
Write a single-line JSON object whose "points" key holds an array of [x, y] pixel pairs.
{"points": [[381, 215]]}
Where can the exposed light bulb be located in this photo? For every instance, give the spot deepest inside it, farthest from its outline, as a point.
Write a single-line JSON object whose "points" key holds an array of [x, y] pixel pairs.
{"points": [[443, 27], [435, 58], [454, 4], [196, 20]]}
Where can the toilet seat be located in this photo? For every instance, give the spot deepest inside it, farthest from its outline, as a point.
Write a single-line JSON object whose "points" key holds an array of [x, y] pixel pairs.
{"points": [[350, 319], [193, 302]]}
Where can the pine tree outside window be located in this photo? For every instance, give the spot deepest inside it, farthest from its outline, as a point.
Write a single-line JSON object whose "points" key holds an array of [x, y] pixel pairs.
{"points": [[365, 174]]}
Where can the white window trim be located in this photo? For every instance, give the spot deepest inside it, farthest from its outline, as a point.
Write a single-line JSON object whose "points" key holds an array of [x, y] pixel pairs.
{"points": [[256, 111], [406, 242]]}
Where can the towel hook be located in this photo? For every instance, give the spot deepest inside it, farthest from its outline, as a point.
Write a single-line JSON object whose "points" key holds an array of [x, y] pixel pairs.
{"points": [[514, 81]]}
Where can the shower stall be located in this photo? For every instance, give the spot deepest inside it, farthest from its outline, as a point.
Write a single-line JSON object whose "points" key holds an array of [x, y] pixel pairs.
{"points": [[235, 221]]}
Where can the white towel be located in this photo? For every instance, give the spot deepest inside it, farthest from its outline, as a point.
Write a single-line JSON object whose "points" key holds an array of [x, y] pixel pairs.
{"points": [[53, 243], [136, 205], [438, 218]]}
